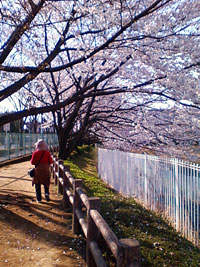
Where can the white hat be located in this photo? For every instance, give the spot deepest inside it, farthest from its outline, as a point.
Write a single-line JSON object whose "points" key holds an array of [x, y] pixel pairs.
{"points": [[41, 145]]}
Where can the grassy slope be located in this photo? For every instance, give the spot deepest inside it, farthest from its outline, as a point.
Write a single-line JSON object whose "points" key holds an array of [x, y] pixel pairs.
{"points": [[160, 244]]}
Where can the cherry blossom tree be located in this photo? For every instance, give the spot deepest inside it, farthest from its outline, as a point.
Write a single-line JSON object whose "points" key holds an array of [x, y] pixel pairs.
{"points": [[124, 72]]}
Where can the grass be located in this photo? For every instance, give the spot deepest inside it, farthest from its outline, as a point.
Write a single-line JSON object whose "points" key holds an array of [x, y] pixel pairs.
{"points": [[160, 244]]}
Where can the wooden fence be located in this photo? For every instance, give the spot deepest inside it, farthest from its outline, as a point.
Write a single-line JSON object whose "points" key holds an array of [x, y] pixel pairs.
{"points": [[88, 220]]}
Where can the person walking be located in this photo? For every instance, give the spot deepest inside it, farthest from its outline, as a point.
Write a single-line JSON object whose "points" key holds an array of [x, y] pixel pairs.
{"points": [[41, 157]]}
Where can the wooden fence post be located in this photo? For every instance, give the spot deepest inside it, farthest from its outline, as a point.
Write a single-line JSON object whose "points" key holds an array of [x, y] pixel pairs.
{"points": [[92, 230], [56, 170], [53, 168], [129, 254], [76, 228], [65, 200], [60, 174]]}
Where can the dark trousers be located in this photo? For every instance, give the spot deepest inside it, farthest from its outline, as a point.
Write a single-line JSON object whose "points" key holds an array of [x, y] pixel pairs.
{"points": [[38, 191]]}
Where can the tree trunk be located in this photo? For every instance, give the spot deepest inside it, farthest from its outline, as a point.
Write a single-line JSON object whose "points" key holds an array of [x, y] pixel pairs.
{"points": [[62, 144]]}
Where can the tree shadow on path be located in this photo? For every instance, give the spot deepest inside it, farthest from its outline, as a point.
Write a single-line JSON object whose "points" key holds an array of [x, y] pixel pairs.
{"points": [[33, 232]]}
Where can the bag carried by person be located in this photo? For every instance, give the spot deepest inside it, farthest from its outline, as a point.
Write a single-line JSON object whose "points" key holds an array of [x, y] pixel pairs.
{"points": [[31, 172]]}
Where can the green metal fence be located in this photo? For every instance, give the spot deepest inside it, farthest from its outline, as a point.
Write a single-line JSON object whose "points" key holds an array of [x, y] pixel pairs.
{"points": [[14, 145]]}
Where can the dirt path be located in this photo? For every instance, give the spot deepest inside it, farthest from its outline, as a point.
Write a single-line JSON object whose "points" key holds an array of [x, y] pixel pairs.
{"points": [[34, 234]]}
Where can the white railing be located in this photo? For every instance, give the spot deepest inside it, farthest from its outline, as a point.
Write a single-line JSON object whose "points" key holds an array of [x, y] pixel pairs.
{"points": [[169, 186]]}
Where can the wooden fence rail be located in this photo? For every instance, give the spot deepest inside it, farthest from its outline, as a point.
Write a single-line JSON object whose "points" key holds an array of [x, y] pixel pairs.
{"points": [[88, 220]]}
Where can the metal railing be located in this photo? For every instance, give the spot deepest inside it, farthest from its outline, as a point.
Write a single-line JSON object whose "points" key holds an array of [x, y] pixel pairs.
{"points": [[14, 145], [170, 186]]}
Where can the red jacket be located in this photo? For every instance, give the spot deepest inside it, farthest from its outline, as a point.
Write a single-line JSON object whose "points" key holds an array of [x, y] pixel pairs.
{"points": [[46, 158]]}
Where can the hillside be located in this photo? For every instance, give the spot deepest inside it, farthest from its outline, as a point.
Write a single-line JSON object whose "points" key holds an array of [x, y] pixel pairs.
{"points": [[160, 244]]}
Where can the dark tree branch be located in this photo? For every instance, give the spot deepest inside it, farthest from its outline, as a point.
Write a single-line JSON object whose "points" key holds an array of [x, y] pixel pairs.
{"points": [[19, 31]]}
